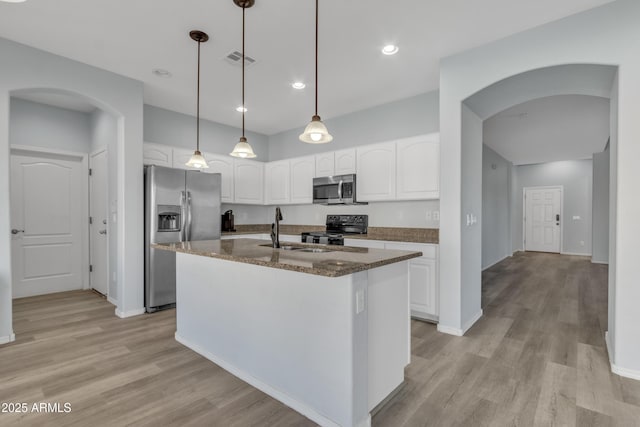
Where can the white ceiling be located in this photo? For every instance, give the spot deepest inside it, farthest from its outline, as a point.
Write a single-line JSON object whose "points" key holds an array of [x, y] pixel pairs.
{"points": [[554, 128], [133, 37]]}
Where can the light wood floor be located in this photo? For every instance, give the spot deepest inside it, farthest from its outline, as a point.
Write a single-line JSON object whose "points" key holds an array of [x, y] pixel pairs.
{"points": [[537, 357]]}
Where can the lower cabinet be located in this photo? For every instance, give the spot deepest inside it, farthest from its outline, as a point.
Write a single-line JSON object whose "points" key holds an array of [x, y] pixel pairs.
{"points": [[423, 275]]}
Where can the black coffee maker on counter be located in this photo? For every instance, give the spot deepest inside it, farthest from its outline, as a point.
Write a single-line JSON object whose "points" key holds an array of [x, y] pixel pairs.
{"points": [[227, 221]]}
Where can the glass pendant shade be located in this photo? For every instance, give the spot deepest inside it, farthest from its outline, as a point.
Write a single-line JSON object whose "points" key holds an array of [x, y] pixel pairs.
{"points": [[197, 161], [243, 150], [316, 132]]}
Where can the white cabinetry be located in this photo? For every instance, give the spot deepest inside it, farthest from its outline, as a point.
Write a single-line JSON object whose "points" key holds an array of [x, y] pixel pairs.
{"points": [[345, 162], [224, 166], [418, 168], [325, 164], [423, 279], [376, 169], [248, 176], [363, 243], [302, 173], [157, 154], [277, 182]]}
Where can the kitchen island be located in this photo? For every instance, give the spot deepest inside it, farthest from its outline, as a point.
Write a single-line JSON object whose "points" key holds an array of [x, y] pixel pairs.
{"points": [[323, 329]]}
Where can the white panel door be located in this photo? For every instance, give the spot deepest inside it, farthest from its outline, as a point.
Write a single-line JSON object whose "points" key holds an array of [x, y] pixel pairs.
{"points": [[345, 161], [418, 168], [248, 178], [542, 219], [302, 173], [46, 213], [99, 213], [325, 164], [277, 182], [224, 166], [376, 166], [156, 154]]}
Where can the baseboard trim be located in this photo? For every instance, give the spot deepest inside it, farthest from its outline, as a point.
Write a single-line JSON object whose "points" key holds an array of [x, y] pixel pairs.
{"points": [[300, 407], [618, 370], [460, 332], [130, 313], [574, 254], [593, 261], [497, 262], [7, 339], [112, 301]]}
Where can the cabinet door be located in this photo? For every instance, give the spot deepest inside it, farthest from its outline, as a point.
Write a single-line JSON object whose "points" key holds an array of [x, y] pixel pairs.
{"points": [[277, 179], [248, 181], [418, 167], [345, 162], [362, 243], [423, 279], [325, 164], [376, 169], [224, 166], [157, 154], [181, 156], [302, 173]]}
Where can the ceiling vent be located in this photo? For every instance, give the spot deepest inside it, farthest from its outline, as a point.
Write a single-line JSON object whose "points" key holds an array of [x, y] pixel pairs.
{"points": [[235, 58]]}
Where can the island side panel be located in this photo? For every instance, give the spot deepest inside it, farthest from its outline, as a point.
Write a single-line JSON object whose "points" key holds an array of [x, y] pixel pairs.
{"points": [[295, 336], [389, 329]]}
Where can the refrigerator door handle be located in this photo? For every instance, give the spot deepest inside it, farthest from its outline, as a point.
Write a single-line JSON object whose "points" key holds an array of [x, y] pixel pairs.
{"points": [[189, 216], [183, 215]]}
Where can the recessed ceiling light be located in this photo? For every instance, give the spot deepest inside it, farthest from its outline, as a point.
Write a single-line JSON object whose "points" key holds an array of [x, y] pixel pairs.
{"points": [[161, 73], [298, 85], [390, 49], [241, 109]]}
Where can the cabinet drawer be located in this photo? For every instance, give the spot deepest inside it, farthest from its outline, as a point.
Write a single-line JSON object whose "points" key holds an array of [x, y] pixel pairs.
{"points": [[428, 250]]}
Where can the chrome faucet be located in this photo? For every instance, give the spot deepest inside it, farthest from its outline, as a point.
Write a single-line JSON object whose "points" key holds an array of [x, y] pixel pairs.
{"points": [[275, 229]]}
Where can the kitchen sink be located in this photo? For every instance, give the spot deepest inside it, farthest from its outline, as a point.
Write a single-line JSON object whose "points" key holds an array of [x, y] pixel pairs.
{"points": [[300, 248], [315, 250]]}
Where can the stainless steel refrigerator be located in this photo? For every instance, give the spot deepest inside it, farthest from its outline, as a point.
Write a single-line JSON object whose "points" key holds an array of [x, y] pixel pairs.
{"points": [[179, 206]]}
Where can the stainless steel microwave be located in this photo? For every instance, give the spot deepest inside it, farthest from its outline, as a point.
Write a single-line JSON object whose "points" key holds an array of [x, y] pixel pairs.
{"points": [[335, 190]]}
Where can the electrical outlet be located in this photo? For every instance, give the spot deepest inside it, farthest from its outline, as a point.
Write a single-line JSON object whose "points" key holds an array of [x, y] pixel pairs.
{"points": [[436, 215], [581, 242], [429, 215]]}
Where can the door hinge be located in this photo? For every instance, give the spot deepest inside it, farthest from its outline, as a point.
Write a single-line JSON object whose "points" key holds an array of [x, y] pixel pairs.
{"points": [[91, 269], [90, 171]]}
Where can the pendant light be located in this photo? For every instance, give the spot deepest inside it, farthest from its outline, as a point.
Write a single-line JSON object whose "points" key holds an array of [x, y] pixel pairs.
{"points": [[242, 148], [316, 132], [197, 160]]}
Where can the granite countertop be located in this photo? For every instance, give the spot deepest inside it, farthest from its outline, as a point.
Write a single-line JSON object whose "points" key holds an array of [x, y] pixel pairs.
{"points": [[338, 261], [389, 234]]}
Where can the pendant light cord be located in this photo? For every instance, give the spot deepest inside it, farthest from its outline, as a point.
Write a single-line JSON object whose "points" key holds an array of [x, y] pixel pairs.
{"points": [[243, 62], [317, 57], [198, 104]]}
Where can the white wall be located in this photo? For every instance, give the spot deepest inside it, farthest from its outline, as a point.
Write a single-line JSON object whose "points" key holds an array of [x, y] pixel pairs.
{"points": [[496, 207], [104, 135], [179, 130], [383, 214], [45, 126], [572, 40], [25, 68], [576, 178], [404, 118], [600, 208]]}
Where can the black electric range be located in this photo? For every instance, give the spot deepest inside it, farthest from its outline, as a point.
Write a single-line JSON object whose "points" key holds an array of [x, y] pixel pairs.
{"points": [[337, 227]]}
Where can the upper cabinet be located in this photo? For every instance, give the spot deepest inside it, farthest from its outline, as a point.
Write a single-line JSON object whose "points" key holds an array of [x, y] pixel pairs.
{"points": [[345, 162], [302, 173], [376, 172], [157, 154], [223, 165], [277, 182], [248, 181], [418, 168], [325, 164]]}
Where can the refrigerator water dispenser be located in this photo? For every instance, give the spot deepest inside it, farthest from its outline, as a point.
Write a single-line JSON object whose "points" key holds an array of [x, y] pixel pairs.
{"points": [[169, 218]]}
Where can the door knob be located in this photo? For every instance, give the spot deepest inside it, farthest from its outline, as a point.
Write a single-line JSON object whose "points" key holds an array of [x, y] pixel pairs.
{"points": [[14, 231], [102, 232]]}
